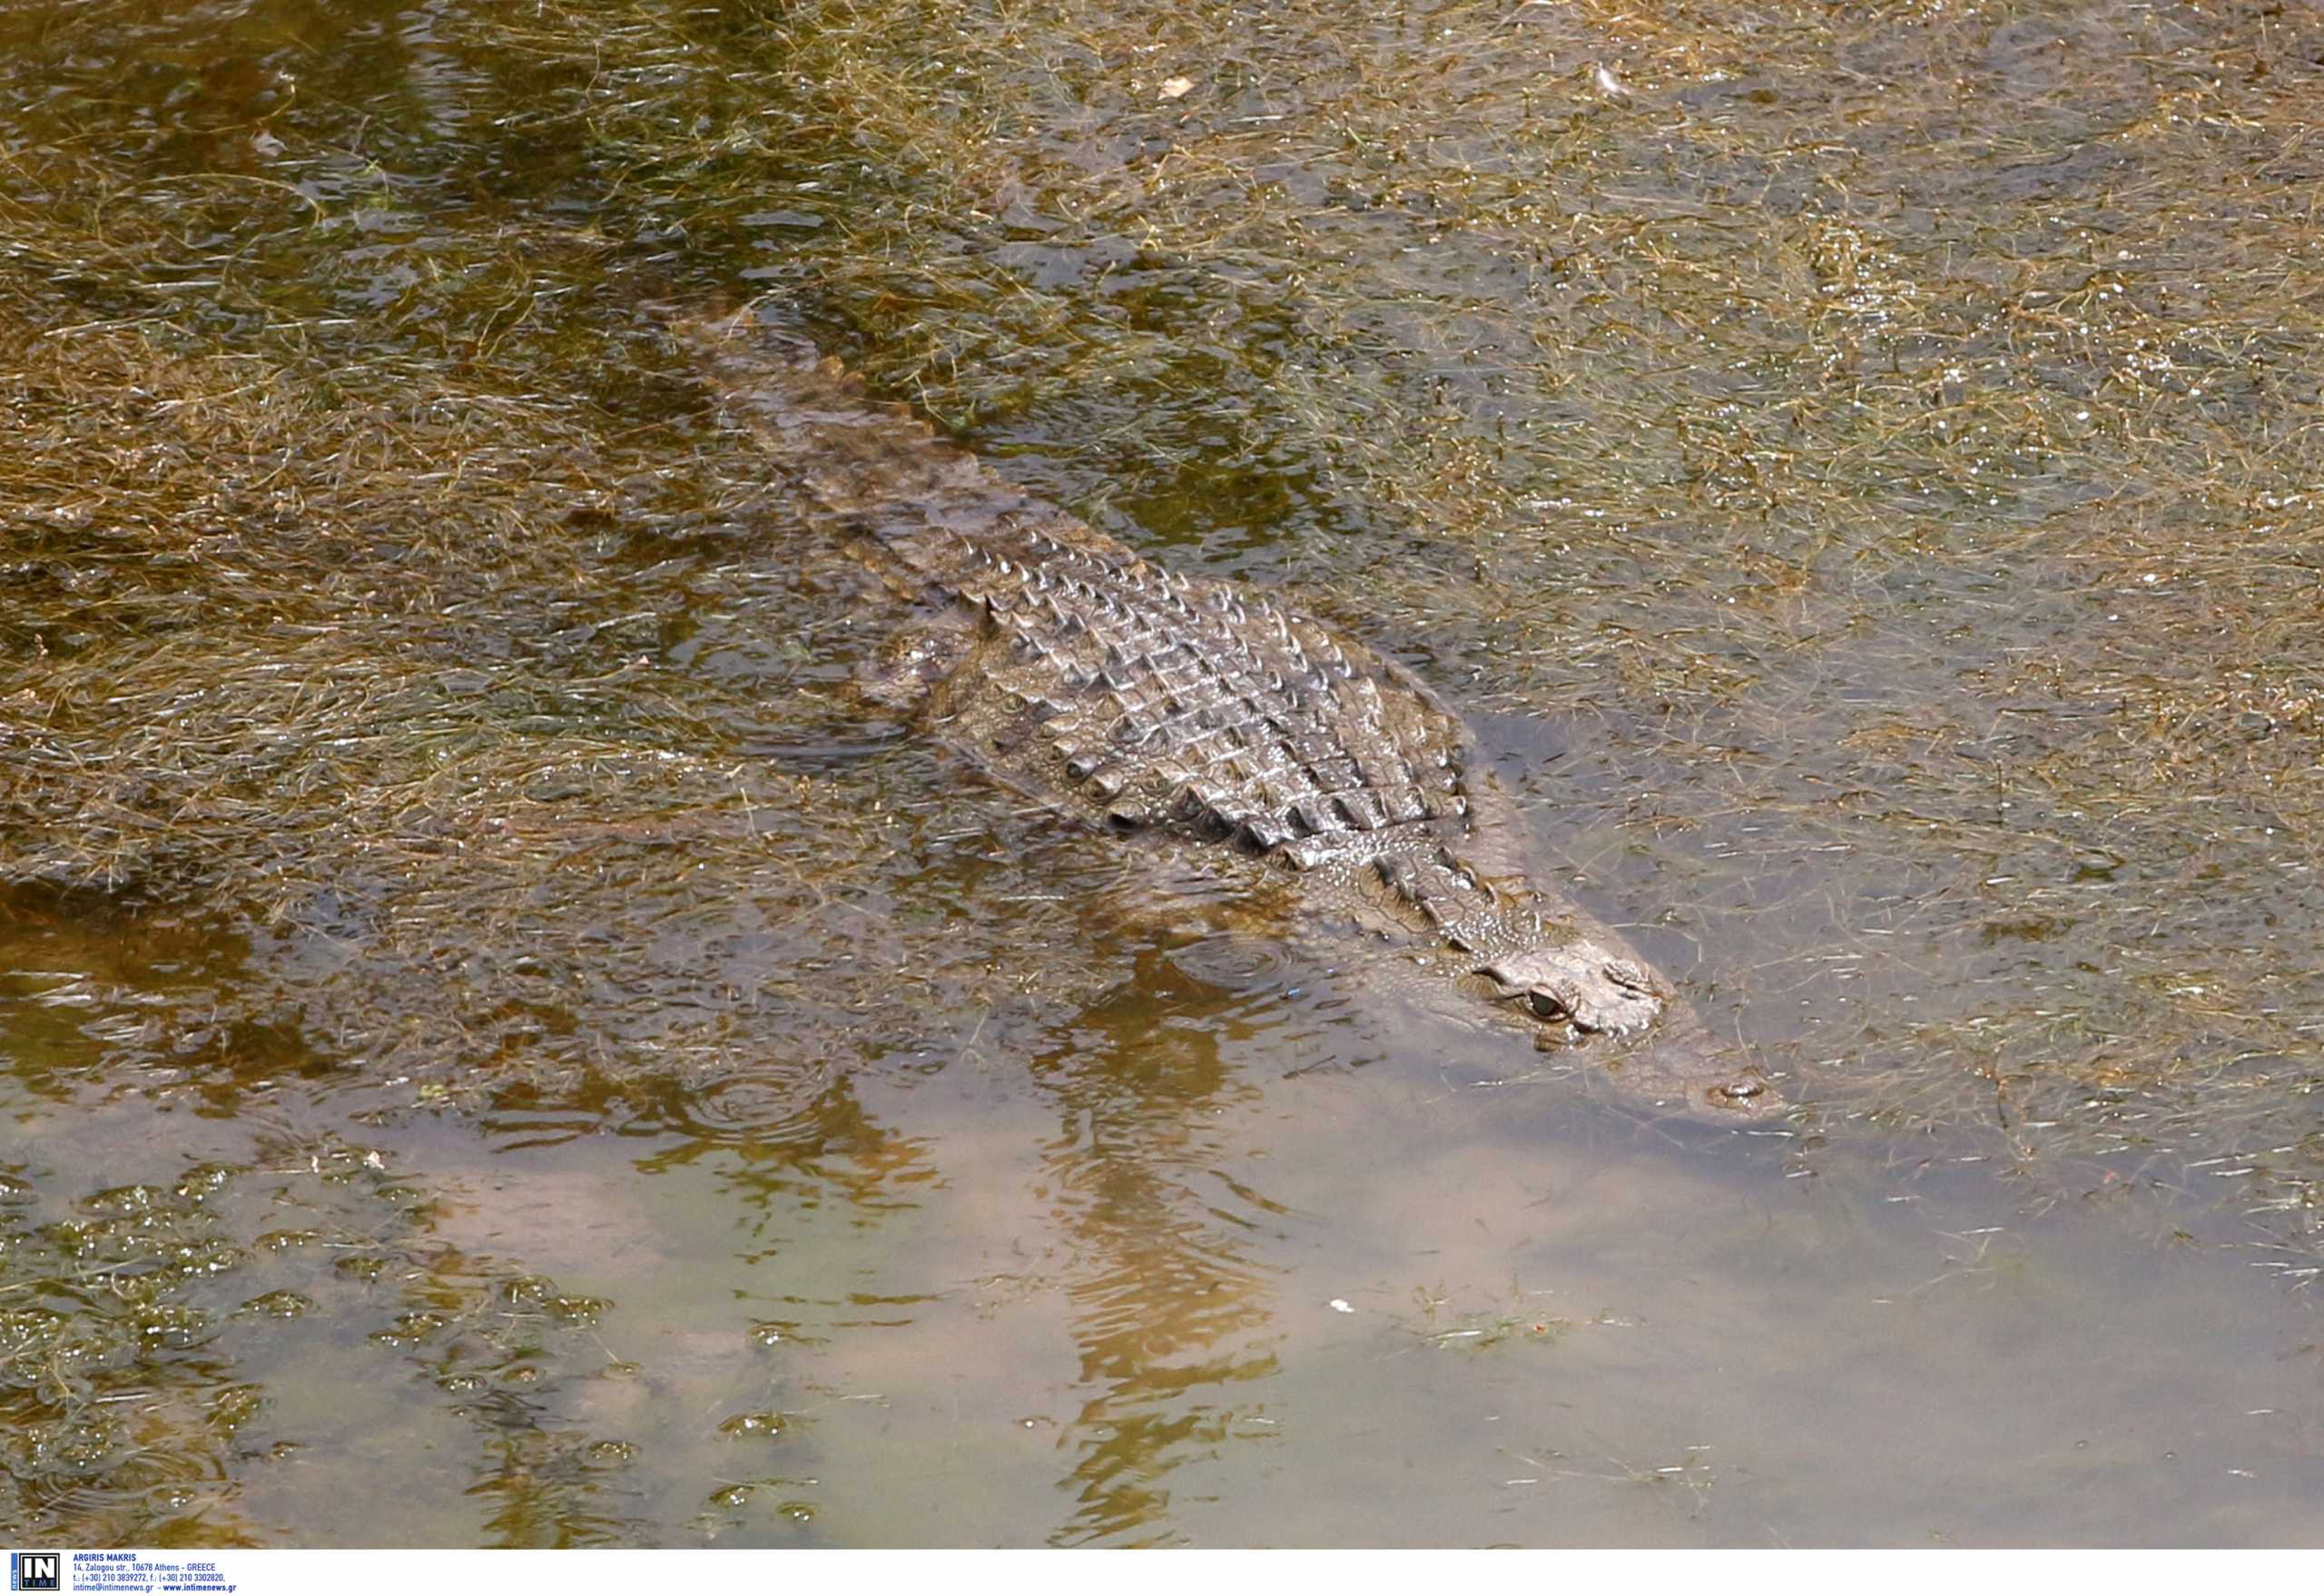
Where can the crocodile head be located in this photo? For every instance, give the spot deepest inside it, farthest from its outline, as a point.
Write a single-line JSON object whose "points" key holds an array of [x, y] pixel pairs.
{"points": [[1580, 984], [1588, 990]]}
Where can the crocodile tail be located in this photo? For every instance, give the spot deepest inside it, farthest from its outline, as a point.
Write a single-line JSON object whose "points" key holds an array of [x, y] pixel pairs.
{"points": [[872, 462]]}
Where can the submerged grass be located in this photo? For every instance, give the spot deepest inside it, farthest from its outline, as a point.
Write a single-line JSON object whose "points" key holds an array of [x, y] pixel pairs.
{"points": [[1875, 455], [1882, 448]]}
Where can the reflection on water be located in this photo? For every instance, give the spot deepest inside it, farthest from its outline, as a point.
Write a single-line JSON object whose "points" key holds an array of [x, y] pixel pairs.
{"points": [[503, 1043], [1171, 1315]]}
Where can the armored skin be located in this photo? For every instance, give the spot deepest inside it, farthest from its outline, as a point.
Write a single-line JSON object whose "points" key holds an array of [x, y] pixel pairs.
{"points": [[1200, 712]]}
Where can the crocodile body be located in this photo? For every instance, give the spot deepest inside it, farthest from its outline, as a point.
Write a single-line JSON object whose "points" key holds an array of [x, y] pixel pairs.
{"points": [[1198, 710]]}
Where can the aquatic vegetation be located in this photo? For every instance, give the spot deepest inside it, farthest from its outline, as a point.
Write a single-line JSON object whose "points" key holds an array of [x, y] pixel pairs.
{"points": [[1988, 477]]}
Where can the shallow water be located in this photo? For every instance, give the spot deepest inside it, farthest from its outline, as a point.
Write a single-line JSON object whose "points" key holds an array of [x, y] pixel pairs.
{"points": [[501, 1044]]}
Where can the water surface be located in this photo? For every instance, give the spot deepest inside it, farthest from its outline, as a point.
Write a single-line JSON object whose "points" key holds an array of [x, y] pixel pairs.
{"points": [[504, 1045]]}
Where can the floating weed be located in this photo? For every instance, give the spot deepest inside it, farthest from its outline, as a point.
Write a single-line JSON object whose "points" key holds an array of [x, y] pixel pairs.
{"points": [[1444, 1327], [132, 1315]]}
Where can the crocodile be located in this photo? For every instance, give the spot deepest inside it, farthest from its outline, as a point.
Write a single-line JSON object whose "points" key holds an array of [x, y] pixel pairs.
{"points": [[1206, 714]]}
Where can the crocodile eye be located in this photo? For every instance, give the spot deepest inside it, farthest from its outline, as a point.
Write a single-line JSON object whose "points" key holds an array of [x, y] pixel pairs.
{"points": [[1546, 1006]]}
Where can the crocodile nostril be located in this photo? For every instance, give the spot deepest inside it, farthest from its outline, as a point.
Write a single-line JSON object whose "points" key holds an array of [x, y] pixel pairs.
{"points": [[1744, 1089]]}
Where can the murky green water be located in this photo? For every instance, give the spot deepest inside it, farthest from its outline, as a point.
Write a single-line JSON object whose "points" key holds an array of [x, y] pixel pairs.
{"points": [[502, 1045]]}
